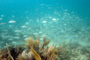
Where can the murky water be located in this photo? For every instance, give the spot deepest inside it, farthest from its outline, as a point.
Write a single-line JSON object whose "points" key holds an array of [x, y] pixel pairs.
{"points": [[56, 19]]}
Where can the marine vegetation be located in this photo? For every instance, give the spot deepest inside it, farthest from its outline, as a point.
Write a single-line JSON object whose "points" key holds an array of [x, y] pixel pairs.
{"points": [[34, 49]]}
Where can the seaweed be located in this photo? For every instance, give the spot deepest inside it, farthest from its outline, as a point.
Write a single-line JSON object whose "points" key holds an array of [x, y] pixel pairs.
{"points": [[44, 52], [9, 52], [36, 55], [34, 49]]}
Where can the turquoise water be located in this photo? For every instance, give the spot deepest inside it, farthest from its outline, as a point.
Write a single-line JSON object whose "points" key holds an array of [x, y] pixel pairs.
{"points": [[56, 19]]}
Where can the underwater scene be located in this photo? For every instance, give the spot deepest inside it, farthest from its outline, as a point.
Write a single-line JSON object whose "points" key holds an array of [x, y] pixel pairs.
{"points": [[44, 29]]}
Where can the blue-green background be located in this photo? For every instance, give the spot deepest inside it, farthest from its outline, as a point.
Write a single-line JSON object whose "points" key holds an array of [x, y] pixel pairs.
{"points": [[72, 20]]}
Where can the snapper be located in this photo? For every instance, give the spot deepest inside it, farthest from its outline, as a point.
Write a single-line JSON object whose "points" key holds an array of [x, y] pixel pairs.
{"points": [[12, 21]]}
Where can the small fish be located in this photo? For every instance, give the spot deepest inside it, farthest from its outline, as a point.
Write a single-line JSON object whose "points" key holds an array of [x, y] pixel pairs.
{"points": [[2, 15], [42, 4], [17, 31], [54, 19], [12, 21], [25, 36], [13, 16], [24, 26], [26, 23], [2, 23], [16, 37], [0, 18], [44, 21]]}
